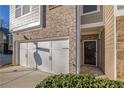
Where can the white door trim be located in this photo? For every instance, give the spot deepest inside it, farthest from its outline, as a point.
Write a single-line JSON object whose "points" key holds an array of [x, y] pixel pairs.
{"points": [[96, 51]]}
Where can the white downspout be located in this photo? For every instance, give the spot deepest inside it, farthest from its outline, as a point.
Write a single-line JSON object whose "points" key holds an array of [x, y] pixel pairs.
{"points": [[78, 39]]}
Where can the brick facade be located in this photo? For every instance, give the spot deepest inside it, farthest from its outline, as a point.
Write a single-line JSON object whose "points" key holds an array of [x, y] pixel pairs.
{"points": [[120, 47], [60, 22]]}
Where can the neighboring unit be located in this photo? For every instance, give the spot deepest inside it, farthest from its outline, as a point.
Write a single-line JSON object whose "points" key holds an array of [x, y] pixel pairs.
{"points": [[3, 41], [67, 39], [120, 41]]}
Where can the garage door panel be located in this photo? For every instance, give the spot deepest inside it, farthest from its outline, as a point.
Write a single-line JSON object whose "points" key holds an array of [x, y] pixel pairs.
{"points": [[60, 44], [32, 45], [23, 54], [45, 64], [60, 54], [23, 46], [44, 53], [23, 57], [31, 55], [60, 61]]}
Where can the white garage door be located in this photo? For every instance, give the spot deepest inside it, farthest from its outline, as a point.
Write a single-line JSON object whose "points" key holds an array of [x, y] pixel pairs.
{"points": [[49, 56], [60, 59], [44, 53], [23, 54]]}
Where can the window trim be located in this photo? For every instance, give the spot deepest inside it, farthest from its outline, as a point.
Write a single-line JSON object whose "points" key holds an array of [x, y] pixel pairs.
{"points": [[92, 12], [119, 12], [22, 15], [17, 8]]}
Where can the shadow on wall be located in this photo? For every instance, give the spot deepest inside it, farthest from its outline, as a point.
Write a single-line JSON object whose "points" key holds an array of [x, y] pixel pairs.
{"points": [[37, 56]]}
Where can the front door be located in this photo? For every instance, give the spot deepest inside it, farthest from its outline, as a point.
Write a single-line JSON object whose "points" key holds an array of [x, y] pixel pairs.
{"points": [[90, 52]]}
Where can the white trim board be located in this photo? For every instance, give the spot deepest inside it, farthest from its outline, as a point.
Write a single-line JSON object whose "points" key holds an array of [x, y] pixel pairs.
{"points": [[25, 26], [98, 24]]}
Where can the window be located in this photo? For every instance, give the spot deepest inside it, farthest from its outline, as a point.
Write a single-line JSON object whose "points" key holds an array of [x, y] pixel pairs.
{"points": [[26, 9], [120, 7], [18, 11], [21, 10], [88, 9], [120, 10]]}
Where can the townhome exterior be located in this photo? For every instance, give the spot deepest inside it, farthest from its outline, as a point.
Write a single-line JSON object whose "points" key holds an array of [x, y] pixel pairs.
{"points": [[54, 33], [45, 38], [3, 41]]}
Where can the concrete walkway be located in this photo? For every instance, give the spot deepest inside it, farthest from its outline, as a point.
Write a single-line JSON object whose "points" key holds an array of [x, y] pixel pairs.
{"points": [[20, 77], [92, 70]]}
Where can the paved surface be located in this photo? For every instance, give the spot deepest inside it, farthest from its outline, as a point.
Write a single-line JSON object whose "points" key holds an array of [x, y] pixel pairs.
{"points": [[92, 70], [20, 77]]}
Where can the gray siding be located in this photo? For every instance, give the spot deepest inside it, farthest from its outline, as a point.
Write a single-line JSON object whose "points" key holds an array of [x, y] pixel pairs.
{"points": [[92, 18], [25, 20]]}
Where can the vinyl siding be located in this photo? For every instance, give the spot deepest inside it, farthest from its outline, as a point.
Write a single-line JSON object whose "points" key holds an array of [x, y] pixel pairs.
{"points": [[109, 41], [92, 18], [24, 21]]}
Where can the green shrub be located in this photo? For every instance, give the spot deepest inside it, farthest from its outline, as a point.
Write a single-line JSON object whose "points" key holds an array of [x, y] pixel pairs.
{"points": [[78, 81]]}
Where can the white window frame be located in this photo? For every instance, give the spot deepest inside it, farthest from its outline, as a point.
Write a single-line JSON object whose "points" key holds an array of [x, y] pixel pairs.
{"points": [[92, 12], [22, 15], [17, 9], [119, 12]]}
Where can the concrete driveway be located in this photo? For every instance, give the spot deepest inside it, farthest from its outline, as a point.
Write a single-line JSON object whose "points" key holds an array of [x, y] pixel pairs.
{"points": [[20, 77]]}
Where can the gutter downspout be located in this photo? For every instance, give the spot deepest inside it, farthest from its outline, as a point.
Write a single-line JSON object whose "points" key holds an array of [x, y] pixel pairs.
{"points": [[77, 39]]}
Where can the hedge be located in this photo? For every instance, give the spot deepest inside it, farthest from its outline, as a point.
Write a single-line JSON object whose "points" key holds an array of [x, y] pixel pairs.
{"points": [[78, 81]]}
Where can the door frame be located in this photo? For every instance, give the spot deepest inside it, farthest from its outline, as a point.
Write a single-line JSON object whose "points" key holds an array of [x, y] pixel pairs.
{"points": [[96, 51]]}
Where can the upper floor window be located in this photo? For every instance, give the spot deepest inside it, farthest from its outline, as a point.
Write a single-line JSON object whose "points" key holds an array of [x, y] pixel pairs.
{"points": [[21, 10], [120, 10], [89, 9], [18, 11], [120, 7], [26, 9]]}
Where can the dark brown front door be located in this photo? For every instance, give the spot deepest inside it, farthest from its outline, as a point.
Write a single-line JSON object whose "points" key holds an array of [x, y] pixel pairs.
{"points": [[90, 52]]}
